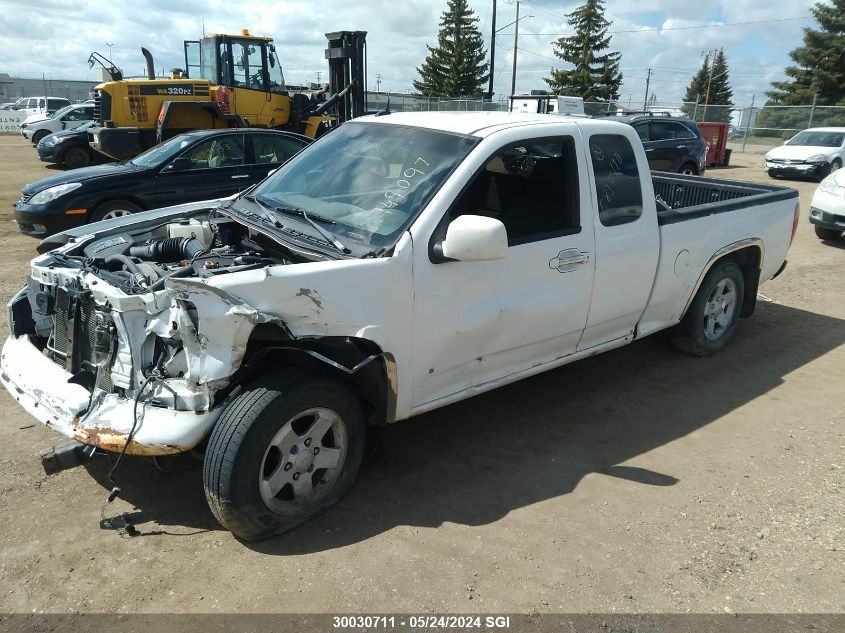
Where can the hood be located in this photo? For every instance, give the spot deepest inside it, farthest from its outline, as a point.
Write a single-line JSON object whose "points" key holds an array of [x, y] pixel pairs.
{"points": [[64, 134], [36, 118], [79, 175], [799, 152]]}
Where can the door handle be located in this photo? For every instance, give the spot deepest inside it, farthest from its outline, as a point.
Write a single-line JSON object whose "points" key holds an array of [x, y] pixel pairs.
{"points": [[650, 149], [240, 176], [568, 260]]}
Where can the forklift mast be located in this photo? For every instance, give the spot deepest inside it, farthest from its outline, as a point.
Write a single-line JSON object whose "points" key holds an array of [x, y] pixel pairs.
{"points": [[347, 55]]}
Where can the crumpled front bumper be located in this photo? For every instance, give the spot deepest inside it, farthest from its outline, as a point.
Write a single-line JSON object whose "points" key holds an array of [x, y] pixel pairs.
{"points": [[42, 388]]}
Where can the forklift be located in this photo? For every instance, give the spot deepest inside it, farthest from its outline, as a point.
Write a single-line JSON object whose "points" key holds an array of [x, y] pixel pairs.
{"points": [[228, 81]]}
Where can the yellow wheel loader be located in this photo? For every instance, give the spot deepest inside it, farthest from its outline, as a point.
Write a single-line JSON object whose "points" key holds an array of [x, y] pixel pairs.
{"points": [[228, 81]]}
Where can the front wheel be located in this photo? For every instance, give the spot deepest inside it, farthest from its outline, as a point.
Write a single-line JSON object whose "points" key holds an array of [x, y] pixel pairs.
{"points": [[283, 451], [827, 234], [711, 318], [36, 138], [76, 157], [114, 209]]}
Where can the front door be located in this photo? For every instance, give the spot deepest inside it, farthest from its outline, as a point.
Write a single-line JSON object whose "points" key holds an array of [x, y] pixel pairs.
{"points": [[215, 171], [479, 322]]}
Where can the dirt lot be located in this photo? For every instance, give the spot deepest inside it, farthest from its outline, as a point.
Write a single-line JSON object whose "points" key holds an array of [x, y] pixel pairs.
{"points": [[637, 481]]}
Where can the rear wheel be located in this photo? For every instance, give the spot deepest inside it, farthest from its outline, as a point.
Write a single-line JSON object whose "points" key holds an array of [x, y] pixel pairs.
{"points": [[711, 318], [688, 169], [827, 234], [76, 157], [114, 209], [283, 451]]}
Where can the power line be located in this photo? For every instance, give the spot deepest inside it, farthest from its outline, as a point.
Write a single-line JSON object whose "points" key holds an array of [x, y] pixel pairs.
{"points": [[686, 28]]}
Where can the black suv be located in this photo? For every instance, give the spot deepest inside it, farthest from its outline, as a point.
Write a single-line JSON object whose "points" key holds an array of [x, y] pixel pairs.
{"points": [[671, 143]]}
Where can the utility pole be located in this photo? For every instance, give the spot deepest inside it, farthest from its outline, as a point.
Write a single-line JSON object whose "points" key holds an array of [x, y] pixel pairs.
{"points": [[515, 42], [709, 80], [647, 82], [318, 75], [492, 53]]}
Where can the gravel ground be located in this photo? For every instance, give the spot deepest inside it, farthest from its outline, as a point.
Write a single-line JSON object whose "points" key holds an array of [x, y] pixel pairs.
{"points": [[640, 480]]}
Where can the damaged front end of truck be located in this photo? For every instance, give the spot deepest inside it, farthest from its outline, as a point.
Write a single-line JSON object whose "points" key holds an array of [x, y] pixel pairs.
{"points": [[123, 339]]}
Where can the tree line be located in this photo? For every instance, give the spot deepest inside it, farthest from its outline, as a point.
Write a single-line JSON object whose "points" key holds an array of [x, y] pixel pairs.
{"points": [[457, 66]]}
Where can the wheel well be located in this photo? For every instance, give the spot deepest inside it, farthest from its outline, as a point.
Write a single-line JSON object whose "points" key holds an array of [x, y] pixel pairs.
{"points": [[749, 260], [357, 363]]}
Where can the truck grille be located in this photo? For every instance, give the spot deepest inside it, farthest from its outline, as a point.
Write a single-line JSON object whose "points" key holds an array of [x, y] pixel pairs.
{"points": [[75, 335], [102, 106]]}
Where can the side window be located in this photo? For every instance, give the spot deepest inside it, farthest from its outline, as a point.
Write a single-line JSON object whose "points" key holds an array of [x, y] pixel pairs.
{"points": [[531, 186], [78, 114], [618, 191], [273, 148], [684, 131], [227, 151], [663, 131], [642, 130]]}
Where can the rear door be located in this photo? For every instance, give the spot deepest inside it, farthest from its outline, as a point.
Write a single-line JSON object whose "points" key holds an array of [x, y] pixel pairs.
{"points": [[479, 322], [627, 237], [214, 171], [665, 150]]}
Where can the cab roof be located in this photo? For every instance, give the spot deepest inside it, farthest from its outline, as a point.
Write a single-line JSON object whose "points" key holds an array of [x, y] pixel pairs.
{"points": [[479, 124]]}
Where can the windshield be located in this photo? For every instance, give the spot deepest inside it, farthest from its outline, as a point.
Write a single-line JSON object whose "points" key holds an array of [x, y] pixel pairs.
{"points": [[157, 155], [61, 112], [370, 180], [818, 139]]}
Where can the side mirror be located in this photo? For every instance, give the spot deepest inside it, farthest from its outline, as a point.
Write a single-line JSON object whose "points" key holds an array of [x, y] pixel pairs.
{"points": [[475, 238], [180, 164]]}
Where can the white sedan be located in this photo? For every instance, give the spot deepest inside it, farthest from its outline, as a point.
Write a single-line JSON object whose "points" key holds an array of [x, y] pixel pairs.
{"points": [[827, 208], [814, 153]]}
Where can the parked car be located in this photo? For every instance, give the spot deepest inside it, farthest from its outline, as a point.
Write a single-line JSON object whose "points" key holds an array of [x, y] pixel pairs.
{"points": [[70, 148], [671, 143], [195, 166], [827, 208], [399, 264], [8, 106], [813, 153], [40, 105], [37, 126]]}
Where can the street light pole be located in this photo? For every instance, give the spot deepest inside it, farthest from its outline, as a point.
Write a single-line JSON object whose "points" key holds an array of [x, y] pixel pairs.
{"points": [[515, 42], [492, 53], [109, 45]]}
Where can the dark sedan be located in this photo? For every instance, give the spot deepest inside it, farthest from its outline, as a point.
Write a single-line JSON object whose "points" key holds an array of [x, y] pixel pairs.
{"points": [[70, 148], [199, 165]]}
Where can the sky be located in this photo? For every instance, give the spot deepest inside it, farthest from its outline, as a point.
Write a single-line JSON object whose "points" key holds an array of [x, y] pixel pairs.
{"points": [[55, 37]]}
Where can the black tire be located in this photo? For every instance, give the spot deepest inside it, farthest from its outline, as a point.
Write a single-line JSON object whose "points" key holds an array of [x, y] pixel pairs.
{"points": [[827, 234], [692, 334], [36, 138], [113, 209], [835, 165], [76, 157], [772, 173], [242, 442], [689, 169]]}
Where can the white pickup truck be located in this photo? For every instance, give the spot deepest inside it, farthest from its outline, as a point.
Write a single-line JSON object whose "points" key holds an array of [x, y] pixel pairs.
{"points": [[400, 263]]}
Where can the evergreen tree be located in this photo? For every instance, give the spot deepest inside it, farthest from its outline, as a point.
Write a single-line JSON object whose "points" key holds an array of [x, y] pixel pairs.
{"points": [[456, 66], [818, 73], [595, 75], [719, 104]]}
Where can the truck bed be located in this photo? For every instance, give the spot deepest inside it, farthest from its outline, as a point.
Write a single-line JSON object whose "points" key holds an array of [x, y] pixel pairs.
{"points": [[687, 197]]}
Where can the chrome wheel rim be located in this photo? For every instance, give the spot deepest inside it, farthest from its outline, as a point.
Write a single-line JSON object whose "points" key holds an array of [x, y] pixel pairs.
{"points": [[688, 172], [719, 309], [302, 461], [116, 213]]}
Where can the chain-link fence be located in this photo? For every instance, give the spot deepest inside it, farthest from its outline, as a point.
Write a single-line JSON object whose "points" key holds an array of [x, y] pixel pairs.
{"points": [[417, 103]]}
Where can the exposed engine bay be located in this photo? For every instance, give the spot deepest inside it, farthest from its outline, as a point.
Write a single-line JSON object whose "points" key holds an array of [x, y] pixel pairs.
{"points": [[101, 311]]}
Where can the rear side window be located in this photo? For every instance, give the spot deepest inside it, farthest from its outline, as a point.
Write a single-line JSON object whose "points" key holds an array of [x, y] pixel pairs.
{"points": [[272, 148], [685, 132], [618, 192], [664, 131]]}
